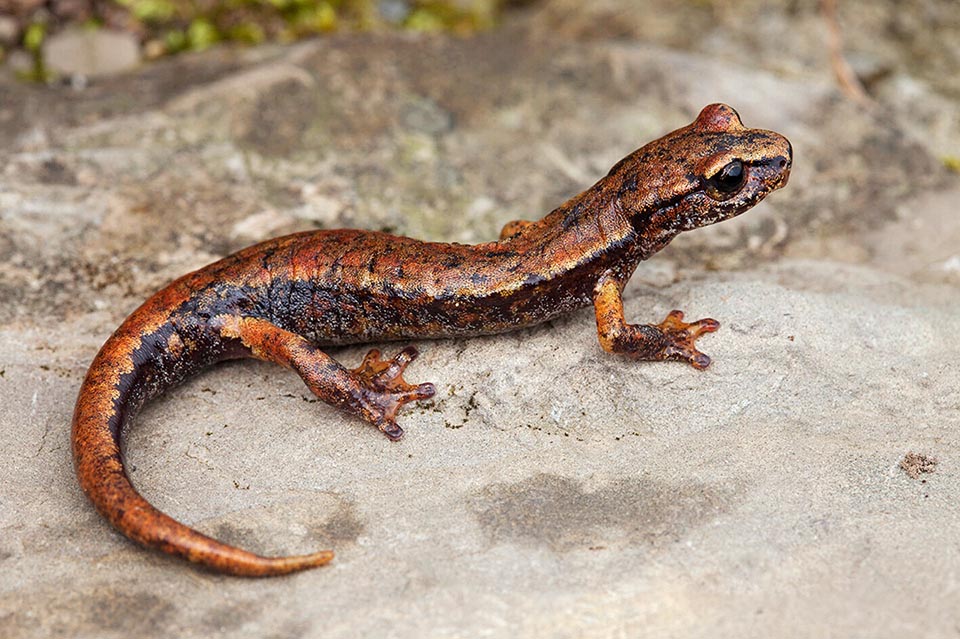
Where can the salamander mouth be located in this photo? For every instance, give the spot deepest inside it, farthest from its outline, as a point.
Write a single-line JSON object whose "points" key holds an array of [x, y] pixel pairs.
{"points": [[784, 178], [784, 165], [770, 177]]}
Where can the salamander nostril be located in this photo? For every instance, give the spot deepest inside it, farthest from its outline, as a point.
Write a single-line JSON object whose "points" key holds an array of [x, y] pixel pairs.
{"points": [[783, 163]]}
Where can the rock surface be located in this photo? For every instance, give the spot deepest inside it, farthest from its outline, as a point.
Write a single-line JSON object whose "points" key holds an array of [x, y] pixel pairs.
{"points": [[549, 490], [87, 52]]}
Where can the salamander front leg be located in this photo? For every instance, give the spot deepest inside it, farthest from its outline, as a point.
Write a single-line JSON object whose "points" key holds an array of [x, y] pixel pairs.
{"points": [[671, 339], [514, 228], [374, 391]]}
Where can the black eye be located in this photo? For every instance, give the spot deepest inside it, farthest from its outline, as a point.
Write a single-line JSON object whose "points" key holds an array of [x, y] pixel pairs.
{"points": [[730, 178]]}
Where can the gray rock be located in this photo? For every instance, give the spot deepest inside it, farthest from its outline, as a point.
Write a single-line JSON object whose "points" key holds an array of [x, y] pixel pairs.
{"points": [[91, 52]]}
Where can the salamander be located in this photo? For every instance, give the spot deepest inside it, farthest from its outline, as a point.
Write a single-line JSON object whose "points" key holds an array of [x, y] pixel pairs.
{"points": [[284, 299]]}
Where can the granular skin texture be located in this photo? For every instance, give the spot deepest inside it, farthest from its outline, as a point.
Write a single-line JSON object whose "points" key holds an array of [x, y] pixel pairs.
{"points": [[284, 299]]}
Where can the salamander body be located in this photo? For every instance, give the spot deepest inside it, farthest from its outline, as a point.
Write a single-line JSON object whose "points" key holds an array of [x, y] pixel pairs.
{"points": [[284, 299]]}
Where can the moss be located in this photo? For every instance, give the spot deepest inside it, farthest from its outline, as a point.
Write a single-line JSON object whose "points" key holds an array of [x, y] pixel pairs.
{"points": [[175, 40], [150, 10], [423, 20], [34, 35], [202, 34], [171, 26], [453, 16], [246, 33], [256, 21]]}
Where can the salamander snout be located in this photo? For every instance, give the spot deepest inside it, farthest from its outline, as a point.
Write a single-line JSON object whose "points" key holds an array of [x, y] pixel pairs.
{"points": [[779, 164], [739, 167], [786, 163], [772, 171]]}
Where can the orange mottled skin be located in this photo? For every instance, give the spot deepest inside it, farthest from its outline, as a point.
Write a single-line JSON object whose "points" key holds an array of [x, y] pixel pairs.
{"points": [[283, 299]]}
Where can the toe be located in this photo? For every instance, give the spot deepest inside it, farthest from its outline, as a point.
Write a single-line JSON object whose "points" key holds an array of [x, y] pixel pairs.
{"points": [[708, 325], [393, 369], [406, 356], [699, 360], [416, 393], [391, 429], [674, 316]]}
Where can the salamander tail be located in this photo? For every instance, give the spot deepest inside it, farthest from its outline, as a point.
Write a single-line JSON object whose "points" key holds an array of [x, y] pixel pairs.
{"points": [[120, 379]]}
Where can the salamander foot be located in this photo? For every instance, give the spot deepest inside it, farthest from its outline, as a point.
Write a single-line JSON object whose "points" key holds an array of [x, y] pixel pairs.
{"points": [[681, 338], [384, 390]]}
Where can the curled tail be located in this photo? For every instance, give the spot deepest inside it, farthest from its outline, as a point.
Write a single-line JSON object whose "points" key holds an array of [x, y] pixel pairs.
{"points": [[147, 354]]}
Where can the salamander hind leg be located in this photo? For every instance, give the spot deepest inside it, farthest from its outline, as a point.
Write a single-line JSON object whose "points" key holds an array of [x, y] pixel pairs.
{"points": [[671, 339], [374, 391], [386, 391]]}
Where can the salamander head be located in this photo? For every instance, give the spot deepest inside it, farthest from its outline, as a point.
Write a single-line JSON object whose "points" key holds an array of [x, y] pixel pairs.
{"points": [[708, 171]]}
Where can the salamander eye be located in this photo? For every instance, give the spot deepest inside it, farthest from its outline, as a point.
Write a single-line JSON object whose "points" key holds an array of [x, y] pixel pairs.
{"points": [[729, 179]]}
